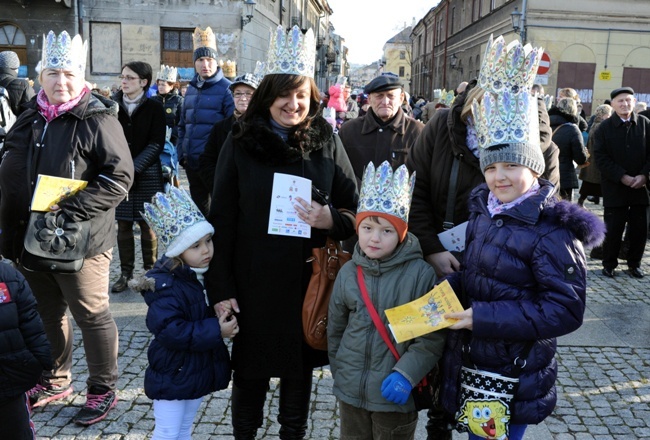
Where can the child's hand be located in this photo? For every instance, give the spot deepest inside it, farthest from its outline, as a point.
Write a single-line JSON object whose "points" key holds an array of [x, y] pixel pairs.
{"points": [[226, 306], [465, 319], [395, 388], [229, 326]]}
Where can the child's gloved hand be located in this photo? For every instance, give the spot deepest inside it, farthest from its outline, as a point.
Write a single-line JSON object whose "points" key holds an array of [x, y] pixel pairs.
{"points": [[396, 388]]}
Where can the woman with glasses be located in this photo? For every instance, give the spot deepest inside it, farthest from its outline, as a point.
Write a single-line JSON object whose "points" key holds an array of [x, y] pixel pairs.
{"points": [[242, 90], [143, 122]]}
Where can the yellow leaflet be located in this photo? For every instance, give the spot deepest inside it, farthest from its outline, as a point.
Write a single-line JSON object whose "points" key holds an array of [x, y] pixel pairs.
{"points": [[50, 190]]}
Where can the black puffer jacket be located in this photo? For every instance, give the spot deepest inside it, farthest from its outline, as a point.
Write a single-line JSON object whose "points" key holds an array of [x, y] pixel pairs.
{"points": [[145, 133], [86, 143], [172, 102], [568, 137], [19, 91], [24, 349]]}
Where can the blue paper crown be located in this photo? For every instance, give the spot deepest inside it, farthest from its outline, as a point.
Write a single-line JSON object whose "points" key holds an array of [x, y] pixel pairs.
{"points": [[386, 192], [64, 52], [292, 53]]}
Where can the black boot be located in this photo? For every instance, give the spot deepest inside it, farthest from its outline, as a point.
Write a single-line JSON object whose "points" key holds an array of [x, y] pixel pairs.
{"points": [[149, 252], [295, 393], [126, 248], [248, 409], [438, 427]]}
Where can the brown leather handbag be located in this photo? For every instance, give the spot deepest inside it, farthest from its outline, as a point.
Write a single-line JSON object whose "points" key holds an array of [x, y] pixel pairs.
{"points": [[326, 263]]}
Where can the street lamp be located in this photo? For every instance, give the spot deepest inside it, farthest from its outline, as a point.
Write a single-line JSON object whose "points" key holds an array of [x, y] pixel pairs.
{"points": [[519, 24], [250, 8], [453, 62]]}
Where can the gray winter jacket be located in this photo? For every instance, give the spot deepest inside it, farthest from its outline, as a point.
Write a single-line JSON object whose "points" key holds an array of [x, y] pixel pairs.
{"points": [[359, 358]]}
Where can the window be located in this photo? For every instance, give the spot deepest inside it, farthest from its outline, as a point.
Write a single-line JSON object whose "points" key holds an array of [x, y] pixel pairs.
{"points": [[177, 48], [13, 38], [402, 54], [105, 48], [401, 71]]}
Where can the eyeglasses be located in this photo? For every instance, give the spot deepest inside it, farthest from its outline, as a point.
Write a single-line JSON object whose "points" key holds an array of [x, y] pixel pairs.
{"points": [[240, 95], [128, 77]]}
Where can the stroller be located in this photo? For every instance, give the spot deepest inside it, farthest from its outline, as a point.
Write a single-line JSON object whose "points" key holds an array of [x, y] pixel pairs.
{"points": [[169, 161]]}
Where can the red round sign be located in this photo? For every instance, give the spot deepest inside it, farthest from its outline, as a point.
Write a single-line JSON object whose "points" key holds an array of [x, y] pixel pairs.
{"points": [[544, 64]]}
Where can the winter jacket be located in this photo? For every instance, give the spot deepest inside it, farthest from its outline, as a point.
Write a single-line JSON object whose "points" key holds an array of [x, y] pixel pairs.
{"points": [[620, 150], [268, 274], [591, 173], [206, 102], [359, 358], [366, 140], [20, 92], [172, 102], [86, 143], [210, 155], [187, 355], [352, 109], [24, 348], [442, 140], [145, 133], [524, 275], [568, 138]]}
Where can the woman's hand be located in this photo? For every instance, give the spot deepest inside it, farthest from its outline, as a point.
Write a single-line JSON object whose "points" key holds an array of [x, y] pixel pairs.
{"points": [[227, 307], [465, 319], [315, 215]]}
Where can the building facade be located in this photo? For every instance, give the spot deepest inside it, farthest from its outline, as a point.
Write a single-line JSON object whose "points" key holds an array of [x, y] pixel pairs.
{"points": [[119, 31], [591, 46], [397, 56]]}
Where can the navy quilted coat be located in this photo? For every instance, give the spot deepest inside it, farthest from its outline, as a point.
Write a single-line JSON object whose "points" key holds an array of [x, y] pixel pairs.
{"points": [[205, 103], [187, 356], [524, 274]]}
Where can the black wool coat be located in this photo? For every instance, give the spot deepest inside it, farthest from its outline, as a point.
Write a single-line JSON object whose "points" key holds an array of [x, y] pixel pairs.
{"points": [[145, 133], [208, 159], [568, 138], [268, 274]]}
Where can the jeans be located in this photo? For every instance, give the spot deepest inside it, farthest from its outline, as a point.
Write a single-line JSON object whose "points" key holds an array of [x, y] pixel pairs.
{"points": [[361, 424], [174, 418], [86, 294]]}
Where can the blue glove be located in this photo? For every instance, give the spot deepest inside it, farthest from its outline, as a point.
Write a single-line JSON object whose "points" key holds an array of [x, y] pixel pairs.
{"points": [[396, 388]]}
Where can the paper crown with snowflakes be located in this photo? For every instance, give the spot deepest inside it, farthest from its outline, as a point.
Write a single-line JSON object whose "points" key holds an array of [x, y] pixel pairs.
{"points": [[291, 53], [64, 52], [506, 119], [447, 97], [176, 220], [229, 68], [386, 194], [167, 73]]}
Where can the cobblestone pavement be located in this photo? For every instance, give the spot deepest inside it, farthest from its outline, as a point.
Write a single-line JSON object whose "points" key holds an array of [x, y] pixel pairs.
{"points": [[603, 381]]}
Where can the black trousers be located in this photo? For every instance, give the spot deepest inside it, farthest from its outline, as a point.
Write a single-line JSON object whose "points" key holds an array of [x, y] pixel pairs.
{"points": [[249, 395], [200, 193], [636, 217], [15, 423]]}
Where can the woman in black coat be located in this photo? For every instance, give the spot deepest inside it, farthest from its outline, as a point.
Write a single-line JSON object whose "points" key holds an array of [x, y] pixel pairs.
{"points": [[567, 136], [143, 122], [262, 276]]}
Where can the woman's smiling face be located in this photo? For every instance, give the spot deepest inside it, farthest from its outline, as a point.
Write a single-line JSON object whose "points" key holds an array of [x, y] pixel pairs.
{"points": [[292, 107]]}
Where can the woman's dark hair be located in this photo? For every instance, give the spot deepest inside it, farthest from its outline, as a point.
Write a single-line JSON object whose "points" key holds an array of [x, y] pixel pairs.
{"points": [[273, 86], [143, 70]]}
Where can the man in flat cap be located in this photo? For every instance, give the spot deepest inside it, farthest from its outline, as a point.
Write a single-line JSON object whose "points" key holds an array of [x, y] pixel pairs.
{"points": [[622, 154], [385, 132]]}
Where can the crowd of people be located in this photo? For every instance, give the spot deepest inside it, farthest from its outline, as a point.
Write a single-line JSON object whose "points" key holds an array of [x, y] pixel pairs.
{"points": [[384, 174]]}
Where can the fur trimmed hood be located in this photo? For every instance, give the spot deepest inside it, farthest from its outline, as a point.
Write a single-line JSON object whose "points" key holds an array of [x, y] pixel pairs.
{"points": [[586, 226], [142, 283], [264, 145]]}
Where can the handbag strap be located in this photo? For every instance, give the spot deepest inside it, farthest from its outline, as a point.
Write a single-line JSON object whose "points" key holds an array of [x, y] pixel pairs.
{"points": [[451, 194], [381, 328], [519, 362]]}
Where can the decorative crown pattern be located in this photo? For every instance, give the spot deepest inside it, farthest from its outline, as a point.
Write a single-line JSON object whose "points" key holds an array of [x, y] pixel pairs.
{"points": [[64, 52], [386, 192], [447, 97], [167, 73], [292, 52], [170, 214], [508, 111], [204, 38]]}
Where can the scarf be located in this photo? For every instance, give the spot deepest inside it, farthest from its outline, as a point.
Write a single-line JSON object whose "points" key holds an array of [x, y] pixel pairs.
{"points": [[281, 131], [237, 114], [51, 111], [132, 104], [495, 206]]}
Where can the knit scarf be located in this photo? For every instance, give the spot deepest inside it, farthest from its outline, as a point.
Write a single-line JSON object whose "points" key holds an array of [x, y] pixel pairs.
{"points": [[200, 272], [495, 206], [131, 104], [51, 111]]}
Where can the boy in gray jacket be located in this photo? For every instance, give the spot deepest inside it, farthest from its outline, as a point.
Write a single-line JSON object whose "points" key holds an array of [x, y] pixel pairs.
{"points": [[373, 388]]}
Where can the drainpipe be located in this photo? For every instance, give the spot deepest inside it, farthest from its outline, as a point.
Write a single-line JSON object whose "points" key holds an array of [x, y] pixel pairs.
{"points": [[444, 60]]}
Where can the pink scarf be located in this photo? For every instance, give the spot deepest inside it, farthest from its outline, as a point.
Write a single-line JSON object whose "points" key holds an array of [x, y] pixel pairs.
{"points": [[495, 206], [51, 111]]}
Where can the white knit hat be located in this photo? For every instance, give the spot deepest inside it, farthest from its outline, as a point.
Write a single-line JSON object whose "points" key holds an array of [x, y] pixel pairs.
{"points": [[9, 60]]}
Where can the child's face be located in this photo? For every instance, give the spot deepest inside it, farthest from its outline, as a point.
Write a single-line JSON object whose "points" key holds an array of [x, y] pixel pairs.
{"points": [[377, 240], [509, 181], [200, 253]]}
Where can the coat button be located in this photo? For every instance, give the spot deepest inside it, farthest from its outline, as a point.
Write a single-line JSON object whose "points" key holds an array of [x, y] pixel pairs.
{"points": [[381, 130], [499, 223]]}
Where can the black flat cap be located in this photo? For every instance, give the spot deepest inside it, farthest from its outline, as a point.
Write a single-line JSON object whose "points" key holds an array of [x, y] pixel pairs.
{"points": [[620, 90], [382, 83]]}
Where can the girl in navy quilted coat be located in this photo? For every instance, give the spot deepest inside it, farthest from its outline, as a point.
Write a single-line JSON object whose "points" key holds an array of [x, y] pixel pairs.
{"points": [[188, 358]]}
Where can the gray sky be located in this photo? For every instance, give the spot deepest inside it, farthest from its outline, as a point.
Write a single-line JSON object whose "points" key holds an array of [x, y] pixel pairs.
{"points": [[367, 24]]}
